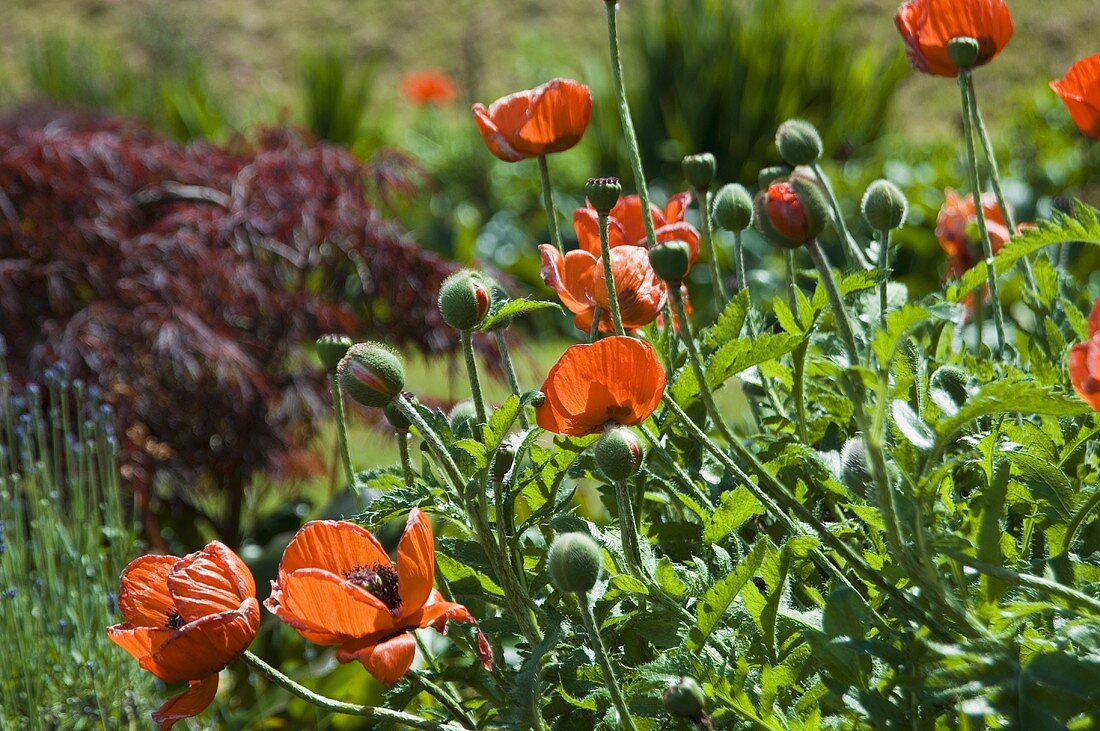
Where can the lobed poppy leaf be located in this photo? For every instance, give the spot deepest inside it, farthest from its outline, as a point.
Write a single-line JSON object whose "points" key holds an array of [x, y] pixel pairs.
{"points": [[515, 307], [1011, 397], [730, 322], [719, 597], [736, 507]]}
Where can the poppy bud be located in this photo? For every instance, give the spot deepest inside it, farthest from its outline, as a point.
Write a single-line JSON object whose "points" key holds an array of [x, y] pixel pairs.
{"points": [[372, 374], [397, 420], [732, 207], [506, 455], [603, 193], [462, 418], [884, 206], [767, 176], [791, 213], [618, 453], [951, 381], [331, 348], [463, 300], [685, 699], [963, 51], [575, 562], [853, 466], [699, 170], [799, 142], [671, 260]]}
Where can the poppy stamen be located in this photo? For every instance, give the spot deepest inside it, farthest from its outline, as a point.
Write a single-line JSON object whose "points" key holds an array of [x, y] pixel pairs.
{"points": [[175, 621], [380, 580]]}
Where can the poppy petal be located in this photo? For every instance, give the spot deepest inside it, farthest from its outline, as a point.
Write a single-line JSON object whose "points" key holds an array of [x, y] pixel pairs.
{"points": [[557, 118], [204, 647], [677, 206], [415, 562], [680, 231], [187, 704], [387, 661], [210, 581], [324, 601], [140, 642], [435, 613], [493, 136], [338, 546], [1079, 90], [143, 596]]}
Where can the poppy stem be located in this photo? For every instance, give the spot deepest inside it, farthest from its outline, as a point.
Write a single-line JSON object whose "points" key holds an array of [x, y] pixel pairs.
{"points": [[628, 530], [798, 387], [435, 444], [742, 275], [627, 123], [836, 302], [548, 204], [609, 276], [688, 339], [987, 247], [710, 247], [445, 698], [406, 462], [342, 437], [374, 713], [626, 721], [883, 263], [677, 471], [510, 373], [475, 381], [852, 253], [594, 331]]}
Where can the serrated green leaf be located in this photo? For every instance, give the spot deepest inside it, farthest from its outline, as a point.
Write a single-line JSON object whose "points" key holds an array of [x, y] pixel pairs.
{"points": [[736, 507], [1012, 397], [465, 579], [730, 322], [629, 585], [500, 422], [512, 308], [719, 597]]}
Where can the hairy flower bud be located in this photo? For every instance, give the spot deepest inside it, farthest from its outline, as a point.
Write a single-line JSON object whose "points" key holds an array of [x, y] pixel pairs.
{"points": [[963, 51], [397, 420], [464, 300], [699, 170], [732, 208], [575, 562], [853, 466], [618, 453], [331, 348], [462, 418], [603, 193], [767, 176], [884, 206], [506, 455], [671, 260], [791, 212], [952, 382], [371, 374], [799, 142], [685, 699]]}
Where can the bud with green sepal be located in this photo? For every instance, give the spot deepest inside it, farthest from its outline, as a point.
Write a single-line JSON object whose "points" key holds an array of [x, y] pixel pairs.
{"points": [[791, 212], [884, 206], [853, 466], [671, 260], [576, 563], [331, 349], [462, 418], [372, 374], [505, 457], [732, 209], [685, 699], [619, 453], [699, 170], [767, 176], [397, 420], [799, 142], [949, 388], [603, 193], [464, 300], [964, 51]]}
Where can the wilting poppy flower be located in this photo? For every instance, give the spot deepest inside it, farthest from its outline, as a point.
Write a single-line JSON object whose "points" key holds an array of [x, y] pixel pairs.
{"points": [[186, 619], [617, 380], [1084, 362], [337, 586], [956, 230], [625, 224], [578, 279], [1079, 90], [927, 26], [549, 118], [428, 88]]}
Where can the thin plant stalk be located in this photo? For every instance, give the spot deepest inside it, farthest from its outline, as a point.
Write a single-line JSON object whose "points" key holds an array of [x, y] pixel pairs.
{"points": [[548, 204], [609, 276], [710, 248], [626, 721], [983, 231], [883, 262], [852, 253], [342, 433], [510, 374], [697, 364], [628, 530], [678, 473], [445, 698], [594, 331], [406, 461], [475, 381], [840, 315], [792, 284], [742, 274]]}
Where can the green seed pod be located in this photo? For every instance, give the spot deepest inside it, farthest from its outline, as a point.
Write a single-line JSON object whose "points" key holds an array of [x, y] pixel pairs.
{"points": [[799, 142], [618, 453], [963, 51], [791, 212], [371, 374], [732, 208], [331, 348], [685, 699], [671, 260], [853, 466], [768, 176], [464, 300], [462, 419], [884, 206], [575, 562], [506, 455], [397, 420], [699, 170], [603, 193]]}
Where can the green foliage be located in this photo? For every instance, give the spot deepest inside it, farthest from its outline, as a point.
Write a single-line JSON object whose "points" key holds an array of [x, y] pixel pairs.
{"points": [[336, 93]]}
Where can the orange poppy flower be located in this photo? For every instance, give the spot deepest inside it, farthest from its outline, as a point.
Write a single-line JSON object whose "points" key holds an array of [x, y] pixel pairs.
{"points": [[428, 88], [927, 26], [956, 227], [186, 619], [1084, 362], [578, 279], [1079, 90], [549, 118], [337, 586], [617, 380], [625, 224]]}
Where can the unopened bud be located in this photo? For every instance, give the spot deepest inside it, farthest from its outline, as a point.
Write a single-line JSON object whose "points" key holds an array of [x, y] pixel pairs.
{"points": [[331, 348], [733, 207], [699, 170], [963, 51], [575, 563], [853, 466], [884, 206], [371, 374], [603, 193], [768, 176], [953, 382], [618, 453], [685, 699], [671, 260], [464, 300], [791, 213], [462, 419], [396, 418], [799, 142], [506, 455]]}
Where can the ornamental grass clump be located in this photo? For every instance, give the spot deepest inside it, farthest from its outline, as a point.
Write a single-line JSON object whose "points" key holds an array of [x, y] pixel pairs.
{"points": [[834, 505]]}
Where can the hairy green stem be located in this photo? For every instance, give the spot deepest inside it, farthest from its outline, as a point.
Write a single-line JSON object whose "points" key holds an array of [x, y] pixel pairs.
{"points": [[594, 331], [836, 302], [548, 204], [883, 262], [1070, 595], [697, 365], [677, 471], [445, 698], [373, 713], [983, 231], [435, 444], [342, 436], [609, 276], [852, 253], [626, 721], [792, 284], [475, 380], [406, 461], [510, 374], [710, 248], [628, 530]]}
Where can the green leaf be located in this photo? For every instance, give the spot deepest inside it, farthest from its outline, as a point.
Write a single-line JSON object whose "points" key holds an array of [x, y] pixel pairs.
{"points": [[629, 585], [720, 596], [1012, 397], [476, 450], [912, 427], [736, 507], [733, 358], [1046, 480], [512, 308], [730, 322], [500, 422], [465, 579]]}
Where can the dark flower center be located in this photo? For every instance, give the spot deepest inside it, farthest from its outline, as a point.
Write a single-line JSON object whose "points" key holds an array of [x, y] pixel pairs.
{"points": [[380, 580], [175, 621]]}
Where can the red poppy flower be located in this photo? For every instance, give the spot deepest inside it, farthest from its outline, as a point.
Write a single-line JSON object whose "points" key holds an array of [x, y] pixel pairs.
{"points": [[186, 619], [549, 118], [625, 224], [425, 88], [617, 380], [1084, 362], [956, 229], [1079, 90], [578, 279], [337, 586], [927, 26]]}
